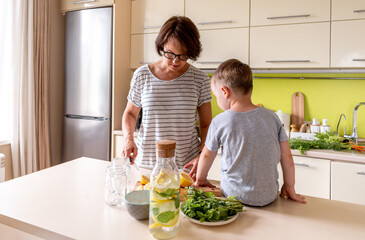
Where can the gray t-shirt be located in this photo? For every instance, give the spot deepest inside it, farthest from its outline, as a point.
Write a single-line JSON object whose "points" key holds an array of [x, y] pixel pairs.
{"points": [[250, 153]]}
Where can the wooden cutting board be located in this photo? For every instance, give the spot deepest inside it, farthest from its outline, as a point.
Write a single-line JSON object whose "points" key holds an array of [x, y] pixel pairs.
{"points": [[297, 109], [216, 191]]}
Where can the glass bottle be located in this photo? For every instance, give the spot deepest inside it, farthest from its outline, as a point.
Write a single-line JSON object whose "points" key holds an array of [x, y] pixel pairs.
{"points": [[165, 192]]}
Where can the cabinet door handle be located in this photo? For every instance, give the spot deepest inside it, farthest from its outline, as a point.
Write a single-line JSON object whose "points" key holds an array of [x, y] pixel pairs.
{"points": [[287, 61], [216, 22], [359, 11], [151, 27], [301, 164], [293, 16], [209, 62], [83, 1], [361, 173], [358, 59]]}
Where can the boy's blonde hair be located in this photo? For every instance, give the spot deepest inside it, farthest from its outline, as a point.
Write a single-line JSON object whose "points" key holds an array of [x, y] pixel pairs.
{"points": [[235, 75]]}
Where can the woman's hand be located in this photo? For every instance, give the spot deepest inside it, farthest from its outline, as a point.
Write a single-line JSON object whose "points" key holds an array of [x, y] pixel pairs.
{"points": [[289, 192], [129, 148], [194, 164]]}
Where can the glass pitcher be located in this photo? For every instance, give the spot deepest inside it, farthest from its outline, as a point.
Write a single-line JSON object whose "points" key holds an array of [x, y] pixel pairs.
{"points": [[165, 192]]}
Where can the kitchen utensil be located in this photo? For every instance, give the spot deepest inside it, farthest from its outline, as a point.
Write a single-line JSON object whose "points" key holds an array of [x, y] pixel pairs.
{"points": [[297, 109]]}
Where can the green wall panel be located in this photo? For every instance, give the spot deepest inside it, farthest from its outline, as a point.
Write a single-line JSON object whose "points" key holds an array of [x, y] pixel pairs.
{"points": [[323, 98]]}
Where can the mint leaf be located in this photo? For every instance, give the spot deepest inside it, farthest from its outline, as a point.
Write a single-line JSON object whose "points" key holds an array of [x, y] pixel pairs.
{"points": [[164, 217], [155, 211]]}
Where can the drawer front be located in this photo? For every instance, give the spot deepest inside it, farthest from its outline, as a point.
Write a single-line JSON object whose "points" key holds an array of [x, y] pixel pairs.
{"points": [[312, 176], [149, 15], [71, 5], [348, 182], [347, 44], [274, 12], [290, 46], [219, 14], [348, 9], [143, 49], [221, 45]]}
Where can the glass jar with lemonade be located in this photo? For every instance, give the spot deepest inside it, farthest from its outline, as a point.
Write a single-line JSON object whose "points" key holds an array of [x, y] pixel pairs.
{"points": [[165, 192]]}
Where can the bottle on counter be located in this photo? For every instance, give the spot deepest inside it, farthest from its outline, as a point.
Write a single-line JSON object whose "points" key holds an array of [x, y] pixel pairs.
{"points": [[315, 127], [325, 127], [165, 192]]}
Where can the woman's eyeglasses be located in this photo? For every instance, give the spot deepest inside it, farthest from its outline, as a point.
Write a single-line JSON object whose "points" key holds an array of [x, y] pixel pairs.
{"points": [[171, 55]]}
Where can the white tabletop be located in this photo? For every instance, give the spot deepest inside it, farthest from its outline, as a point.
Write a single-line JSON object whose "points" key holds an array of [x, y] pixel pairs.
{"points": [[67, 202]]}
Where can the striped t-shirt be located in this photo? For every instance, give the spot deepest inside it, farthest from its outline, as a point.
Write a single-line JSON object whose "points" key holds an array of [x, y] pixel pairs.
{"points": [[169, 112]]}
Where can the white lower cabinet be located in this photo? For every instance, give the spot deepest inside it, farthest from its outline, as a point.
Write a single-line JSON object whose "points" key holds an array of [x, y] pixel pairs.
{"points": [[312, 176], [348, 182]]}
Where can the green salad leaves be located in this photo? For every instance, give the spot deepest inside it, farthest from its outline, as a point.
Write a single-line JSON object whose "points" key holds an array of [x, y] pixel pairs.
{"points": [[205, 207], [325, 141]]}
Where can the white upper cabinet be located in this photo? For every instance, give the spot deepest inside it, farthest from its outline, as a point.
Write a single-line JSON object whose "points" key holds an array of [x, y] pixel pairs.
{"points": [[208, 14], [348, 9], [143, 49], [71, 5], [272, 12], [222, 44], [290, 46], [149, 15], [348, 44]]}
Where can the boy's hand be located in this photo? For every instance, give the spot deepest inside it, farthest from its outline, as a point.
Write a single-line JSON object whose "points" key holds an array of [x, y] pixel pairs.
{"points": [[289, 192], [203, 183]]}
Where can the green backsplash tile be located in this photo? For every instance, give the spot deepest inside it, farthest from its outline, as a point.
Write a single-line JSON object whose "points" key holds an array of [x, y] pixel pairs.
{"points": [[323, 98]]}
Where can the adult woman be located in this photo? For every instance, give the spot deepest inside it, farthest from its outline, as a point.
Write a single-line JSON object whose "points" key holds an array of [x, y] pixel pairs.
{"points": [[170, 92]]}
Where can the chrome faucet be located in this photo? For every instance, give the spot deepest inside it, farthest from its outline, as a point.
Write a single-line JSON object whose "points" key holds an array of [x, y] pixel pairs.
{"points": [[354, 124], [338, 124]]}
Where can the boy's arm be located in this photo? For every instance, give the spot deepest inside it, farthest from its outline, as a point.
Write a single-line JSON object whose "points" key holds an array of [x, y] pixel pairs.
{"points": [[287, 164], [205, 162]]}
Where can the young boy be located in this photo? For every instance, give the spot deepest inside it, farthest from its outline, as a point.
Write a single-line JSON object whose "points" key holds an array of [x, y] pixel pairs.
{"points": [[253, 142]]}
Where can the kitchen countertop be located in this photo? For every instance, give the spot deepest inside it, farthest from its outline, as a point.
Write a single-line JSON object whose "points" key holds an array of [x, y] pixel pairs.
{"points": [[67, 202], [341, 156]]}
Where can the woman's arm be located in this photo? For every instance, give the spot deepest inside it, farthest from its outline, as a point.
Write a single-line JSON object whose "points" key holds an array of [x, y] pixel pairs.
{"points": [[205, 117], [287, 164], [129, 121]]}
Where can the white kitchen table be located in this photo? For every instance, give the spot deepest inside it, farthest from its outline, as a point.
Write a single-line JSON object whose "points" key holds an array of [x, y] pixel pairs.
{"points": [[67, 202]]}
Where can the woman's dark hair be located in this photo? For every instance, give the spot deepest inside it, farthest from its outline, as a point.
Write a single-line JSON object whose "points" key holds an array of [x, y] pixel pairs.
{"points": [[184, 31]]}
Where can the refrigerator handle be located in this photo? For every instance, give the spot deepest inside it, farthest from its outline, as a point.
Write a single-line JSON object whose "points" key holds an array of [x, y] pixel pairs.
{"points": [[86, 117]]}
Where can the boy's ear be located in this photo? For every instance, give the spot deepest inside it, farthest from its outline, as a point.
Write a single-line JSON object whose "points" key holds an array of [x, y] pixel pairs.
{"points": [[226, 91]]}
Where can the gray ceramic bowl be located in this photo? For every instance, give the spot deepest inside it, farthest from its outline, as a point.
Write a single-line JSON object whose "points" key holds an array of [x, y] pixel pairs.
{"points": [[138, 204]]}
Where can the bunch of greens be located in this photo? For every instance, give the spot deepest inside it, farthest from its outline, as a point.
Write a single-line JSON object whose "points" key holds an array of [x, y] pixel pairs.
{"points": [[325, 141], [205, 207]]}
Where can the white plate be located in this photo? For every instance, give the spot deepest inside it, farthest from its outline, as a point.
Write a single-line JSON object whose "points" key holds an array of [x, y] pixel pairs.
{"points": [[218, 223]]}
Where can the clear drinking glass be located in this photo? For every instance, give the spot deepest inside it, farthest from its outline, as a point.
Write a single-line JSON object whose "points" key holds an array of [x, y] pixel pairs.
{"points": [[115, 185]]}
